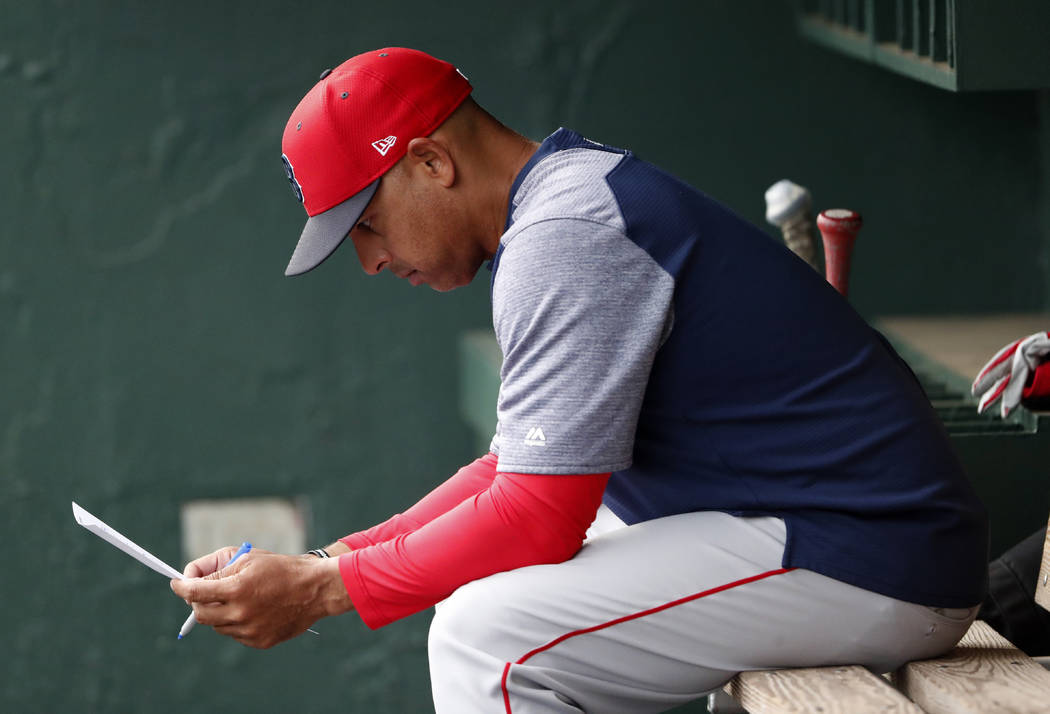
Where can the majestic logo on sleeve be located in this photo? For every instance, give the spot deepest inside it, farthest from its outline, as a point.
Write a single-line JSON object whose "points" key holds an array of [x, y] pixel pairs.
{"points": [[290, 172], [383, 145], [535, 437]]}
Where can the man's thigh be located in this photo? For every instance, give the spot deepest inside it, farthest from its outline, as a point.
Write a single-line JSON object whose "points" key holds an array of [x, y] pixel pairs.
{"points": [[654, 614]]}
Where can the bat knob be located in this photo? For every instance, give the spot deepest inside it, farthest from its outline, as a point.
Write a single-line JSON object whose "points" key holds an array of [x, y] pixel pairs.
{"points": [[838, 227], [785, 200], [788, 208]]}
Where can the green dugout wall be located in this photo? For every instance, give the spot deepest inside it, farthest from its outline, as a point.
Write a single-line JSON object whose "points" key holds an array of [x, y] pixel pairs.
{"points": [[153, 354]]}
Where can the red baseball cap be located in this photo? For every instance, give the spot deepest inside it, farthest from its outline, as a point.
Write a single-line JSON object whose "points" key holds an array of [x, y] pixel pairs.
{"points": [[351, 128]]}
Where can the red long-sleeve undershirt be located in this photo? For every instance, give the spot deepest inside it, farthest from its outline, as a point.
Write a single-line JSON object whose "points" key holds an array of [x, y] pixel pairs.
{"points": [[479, 522]]}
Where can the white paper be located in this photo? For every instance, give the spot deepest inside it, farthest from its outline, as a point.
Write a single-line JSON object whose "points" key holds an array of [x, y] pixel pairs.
{"points": [[114, 538]]}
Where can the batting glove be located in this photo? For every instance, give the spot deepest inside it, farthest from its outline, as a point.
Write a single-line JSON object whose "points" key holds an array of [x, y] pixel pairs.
{"points": [[1018, 374]]}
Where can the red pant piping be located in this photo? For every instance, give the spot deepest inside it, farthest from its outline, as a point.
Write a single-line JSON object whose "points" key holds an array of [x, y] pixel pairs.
{"points": [[626, 618]]}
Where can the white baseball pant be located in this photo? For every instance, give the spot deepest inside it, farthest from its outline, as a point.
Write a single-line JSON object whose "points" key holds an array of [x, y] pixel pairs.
{"points": [[649, 616]]}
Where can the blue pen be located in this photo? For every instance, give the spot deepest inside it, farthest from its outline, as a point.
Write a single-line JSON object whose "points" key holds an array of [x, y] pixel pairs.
{"points": [[192, 619]]}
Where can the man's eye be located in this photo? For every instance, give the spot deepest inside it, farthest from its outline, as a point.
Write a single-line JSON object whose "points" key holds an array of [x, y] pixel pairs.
{"points": [[365, 224]]}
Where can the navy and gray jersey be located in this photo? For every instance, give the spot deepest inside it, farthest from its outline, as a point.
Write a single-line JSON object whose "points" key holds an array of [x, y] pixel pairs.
{"points": [[650, 332]]}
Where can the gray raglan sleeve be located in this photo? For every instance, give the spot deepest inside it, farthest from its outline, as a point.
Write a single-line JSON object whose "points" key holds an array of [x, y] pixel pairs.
{"points": [[579, 312]]}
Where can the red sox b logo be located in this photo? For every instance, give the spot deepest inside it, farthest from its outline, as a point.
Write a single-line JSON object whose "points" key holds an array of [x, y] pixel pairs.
{"points": [[290, 172]]}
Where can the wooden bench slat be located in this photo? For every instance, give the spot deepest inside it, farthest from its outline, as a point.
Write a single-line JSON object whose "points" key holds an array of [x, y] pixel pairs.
{"points": [[1042, 585], [818, 690], [985, 673]]}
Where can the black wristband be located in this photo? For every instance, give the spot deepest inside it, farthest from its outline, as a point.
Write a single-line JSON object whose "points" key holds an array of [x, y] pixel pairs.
{"points": [[319, 552]]}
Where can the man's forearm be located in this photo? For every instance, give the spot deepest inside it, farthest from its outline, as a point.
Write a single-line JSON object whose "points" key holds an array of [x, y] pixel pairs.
{"points": [[465, 483], [522, 519], [470, 480], [327, 583], [336, 549]]}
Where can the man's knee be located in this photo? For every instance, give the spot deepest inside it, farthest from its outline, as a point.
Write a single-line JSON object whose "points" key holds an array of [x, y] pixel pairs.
{"points": [[476, 617]]}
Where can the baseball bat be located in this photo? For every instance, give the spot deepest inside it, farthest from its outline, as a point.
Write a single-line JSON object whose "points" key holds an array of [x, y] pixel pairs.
{"points": [[838, 227], [788, 208]]}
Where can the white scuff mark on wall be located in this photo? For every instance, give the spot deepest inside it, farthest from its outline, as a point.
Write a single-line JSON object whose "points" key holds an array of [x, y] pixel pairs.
{"points": [[153, 240]]}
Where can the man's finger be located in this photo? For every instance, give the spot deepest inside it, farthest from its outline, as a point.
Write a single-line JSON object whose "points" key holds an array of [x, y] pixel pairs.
{"points": [[204, 590], [208, 564], [229, 569], [221, 616]]}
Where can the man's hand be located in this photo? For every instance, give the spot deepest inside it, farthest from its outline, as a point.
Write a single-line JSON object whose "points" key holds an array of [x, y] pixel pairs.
{"points": [[208, 564], [264, 598]]}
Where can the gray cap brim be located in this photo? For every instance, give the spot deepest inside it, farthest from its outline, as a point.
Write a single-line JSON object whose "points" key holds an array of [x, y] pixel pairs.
{"points": [[324, 232]]}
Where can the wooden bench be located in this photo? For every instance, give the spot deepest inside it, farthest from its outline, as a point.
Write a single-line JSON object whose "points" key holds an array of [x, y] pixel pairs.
{"points": [[982, 675]]}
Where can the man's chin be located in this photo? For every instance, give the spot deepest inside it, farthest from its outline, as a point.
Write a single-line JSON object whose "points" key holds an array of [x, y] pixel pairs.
{"points": [[452, 283], [444, 288]]}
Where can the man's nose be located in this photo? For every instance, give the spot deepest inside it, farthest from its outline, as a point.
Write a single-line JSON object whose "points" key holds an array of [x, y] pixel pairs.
{"points": [[372, 256]]}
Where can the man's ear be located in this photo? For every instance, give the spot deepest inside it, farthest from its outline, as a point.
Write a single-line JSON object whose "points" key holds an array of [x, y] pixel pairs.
{"points": [[433, 159]]}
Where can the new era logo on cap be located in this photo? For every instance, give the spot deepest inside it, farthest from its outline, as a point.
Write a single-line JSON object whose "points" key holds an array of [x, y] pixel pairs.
{"points": [[383, 145]]}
